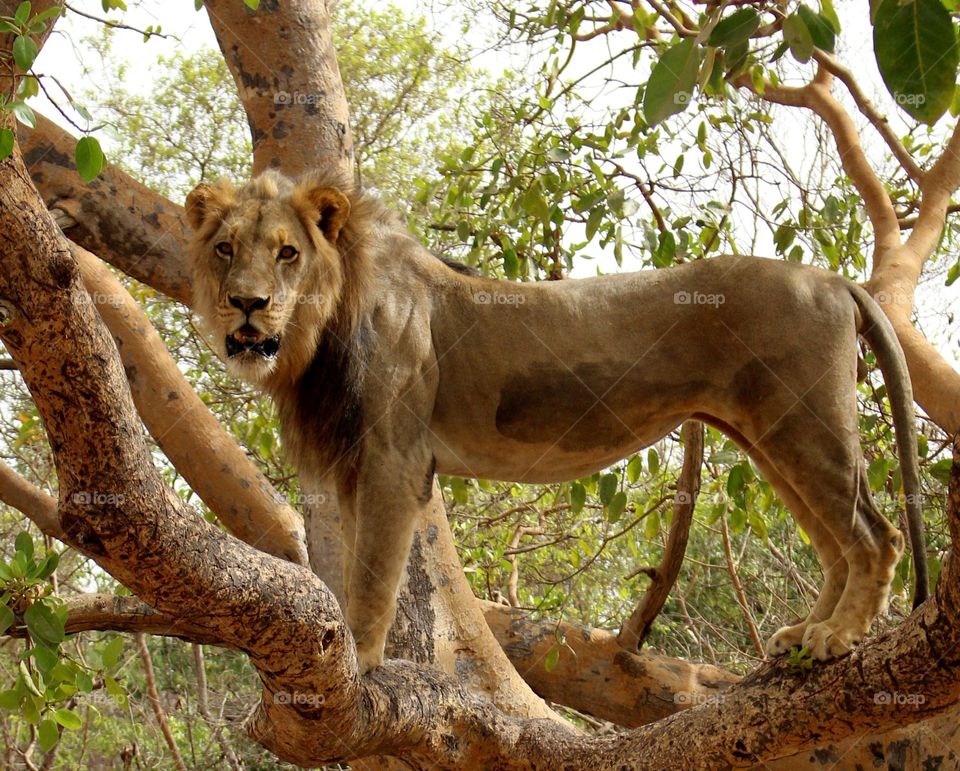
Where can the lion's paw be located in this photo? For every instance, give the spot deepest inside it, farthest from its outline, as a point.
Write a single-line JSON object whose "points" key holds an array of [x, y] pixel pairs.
{"points": [[368, 657], [825, 641], [784, 639]]}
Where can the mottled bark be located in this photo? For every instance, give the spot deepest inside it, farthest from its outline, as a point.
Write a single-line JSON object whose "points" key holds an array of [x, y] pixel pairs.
{"points": [[115, 217], [209, 459], [595, 675], [293, 95]]}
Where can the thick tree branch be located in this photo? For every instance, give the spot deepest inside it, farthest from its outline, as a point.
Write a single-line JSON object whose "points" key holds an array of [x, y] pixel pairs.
{"points": [[30, 501], [215, 467], [870, 112], [294, 98], [595, 675], [115, 217]]}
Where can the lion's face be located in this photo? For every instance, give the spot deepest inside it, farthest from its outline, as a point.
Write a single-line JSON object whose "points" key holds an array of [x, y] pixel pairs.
{"points": [[266, 270]]}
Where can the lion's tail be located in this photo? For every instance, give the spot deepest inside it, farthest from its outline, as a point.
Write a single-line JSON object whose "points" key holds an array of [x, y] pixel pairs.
{"points": [[877, 330]]}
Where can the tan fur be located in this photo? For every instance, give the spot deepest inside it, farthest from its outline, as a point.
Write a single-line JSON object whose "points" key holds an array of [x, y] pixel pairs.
{"points": [[392, 366]]}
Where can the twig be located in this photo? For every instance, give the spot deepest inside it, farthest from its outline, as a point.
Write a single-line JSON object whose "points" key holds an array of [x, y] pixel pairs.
{"points": [[158, 711], [117, 24], [637, 628], [738, 588], [204, 708]]}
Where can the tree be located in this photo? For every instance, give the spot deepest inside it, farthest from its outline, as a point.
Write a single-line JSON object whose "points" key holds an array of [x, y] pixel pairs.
{"points": [[195, 582]]}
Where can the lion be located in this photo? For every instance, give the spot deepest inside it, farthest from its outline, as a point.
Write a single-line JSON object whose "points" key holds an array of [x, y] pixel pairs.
{"points": [[387, 366]]}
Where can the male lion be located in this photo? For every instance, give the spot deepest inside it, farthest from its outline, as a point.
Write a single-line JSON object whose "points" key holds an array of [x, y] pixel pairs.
{"points": [[387, 366]]}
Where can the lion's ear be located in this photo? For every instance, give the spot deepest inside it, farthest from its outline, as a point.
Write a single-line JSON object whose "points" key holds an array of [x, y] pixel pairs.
{"points": [[326, 207], [206, 201]]}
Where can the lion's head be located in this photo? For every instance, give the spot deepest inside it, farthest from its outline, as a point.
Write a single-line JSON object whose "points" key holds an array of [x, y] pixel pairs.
{"points": [[268, 273]]}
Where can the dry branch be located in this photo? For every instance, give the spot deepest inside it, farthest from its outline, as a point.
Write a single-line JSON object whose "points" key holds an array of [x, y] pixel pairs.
{"points": [[593, 673], [637, 628]]}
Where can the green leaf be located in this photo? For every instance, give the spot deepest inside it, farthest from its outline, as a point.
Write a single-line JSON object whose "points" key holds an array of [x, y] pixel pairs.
{"points": [[43, 624], [653, 461], [24, 114], [735, 481], [5, 573], [45, 658], [550, 662], [797, 35], [671, 83], [608, 486], [458, 487], [47, 734], [821, 30], [68, 719], [7, 618], [578, 497], [616, 506], [24, 543], [24, 52], [252, 4], [113, 649], [48, 566], [89, 158], [735, 28], [828, 12], [84, 682], [50, 13], [916, 49], [10, 699], [22, 13], [634, 468], [941, 470], [7, 138], [651, 525], [29, 87]]}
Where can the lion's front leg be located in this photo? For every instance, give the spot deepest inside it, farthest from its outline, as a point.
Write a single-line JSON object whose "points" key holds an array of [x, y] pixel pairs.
{"points": [[390, 497]]}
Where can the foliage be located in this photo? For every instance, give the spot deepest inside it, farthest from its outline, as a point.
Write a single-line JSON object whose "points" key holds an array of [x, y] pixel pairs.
{"points": [[643, 151]]}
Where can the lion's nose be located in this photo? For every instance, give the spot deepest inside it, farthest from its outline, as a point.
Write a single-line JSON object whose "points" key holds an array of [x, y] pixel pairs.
{"points": [[249, 304]]}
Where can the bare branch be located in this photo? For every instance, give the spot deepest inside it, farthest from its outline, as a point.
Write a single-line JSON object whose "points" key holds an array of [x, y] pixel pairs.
{"points": [[662, 578], [158, 711], [34, 503], [595, 675], [869, 111]]}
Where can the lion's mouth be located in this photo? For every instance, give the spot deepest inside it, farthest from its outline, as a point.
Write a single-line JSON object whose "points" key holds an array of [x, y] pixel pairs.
{"points": [[247, 339]]}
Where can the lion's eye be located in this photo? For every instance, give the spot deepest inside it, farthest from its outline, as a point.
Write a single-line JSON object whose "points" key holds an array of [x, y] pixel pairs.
{"points": [[224, 249], [287, 253]]}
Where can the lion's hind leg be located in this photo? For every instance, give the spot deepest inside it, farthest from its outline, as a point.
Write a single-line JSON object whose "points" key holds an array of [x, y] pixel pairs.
{"points": [[873, 548], [828, 474], [828, 550]]}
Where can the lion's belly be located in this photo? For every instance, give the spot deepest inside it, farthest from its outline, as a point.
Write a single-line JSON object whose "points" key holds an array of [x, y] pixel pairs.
{"points": [[552, 457]]}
